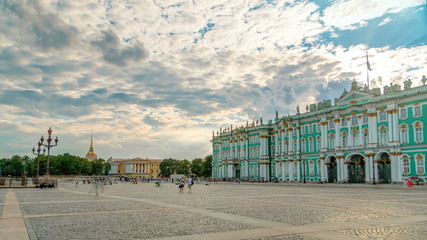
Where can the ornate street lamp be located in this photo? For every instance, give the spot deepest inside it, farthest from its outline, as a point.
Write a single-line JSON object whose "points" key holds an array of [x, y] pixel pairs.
{"points": [[49, 145], [39, 144]]}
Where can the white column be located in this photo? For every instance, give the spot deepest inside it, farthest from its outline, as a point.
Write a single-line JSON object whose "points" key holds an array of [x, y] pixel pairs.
{"points": [[395, 125], [367, 167], [298, 139], [291, 170], [337, 132], [360, 120], [324, 134], [399, 168], [373, 131], [299, 170], [390, 125], [283, 133], [283, 165]]}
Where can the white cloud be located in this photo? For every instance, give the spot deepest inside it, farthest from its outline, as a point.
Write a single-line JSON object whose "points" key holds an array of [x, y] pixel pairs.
{"points": [[385, 21], [168, 102], [349, 14]]}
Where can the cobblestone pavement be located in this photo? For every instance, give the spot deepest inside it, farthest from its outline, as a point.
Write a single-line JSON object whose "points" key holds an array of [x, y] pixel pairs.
{"points": [[224, 211], [2, 198]]}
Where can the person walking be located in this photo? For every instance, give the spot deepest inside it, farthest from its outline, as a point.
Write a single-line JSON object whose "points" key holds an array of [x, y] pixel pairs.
{"points": [[181, 185], [190, 183]]}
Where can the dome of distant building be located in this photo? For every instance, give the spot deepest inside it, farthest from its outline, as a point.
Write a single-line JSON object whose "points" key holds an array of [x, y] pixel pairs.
{"points": [[91, 155]]}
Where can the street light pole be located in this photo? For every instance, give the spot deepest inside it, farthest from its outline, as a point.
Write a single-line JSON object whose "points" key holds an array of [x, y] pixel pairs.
{"points": [[39, 144], [49, 145]]}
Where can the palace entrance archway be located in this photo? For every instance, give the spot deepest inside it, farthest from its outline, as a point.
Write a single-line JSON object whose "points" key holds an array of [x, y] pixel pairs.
{"points": [[384, 168], [332, 169], [356, 169]]}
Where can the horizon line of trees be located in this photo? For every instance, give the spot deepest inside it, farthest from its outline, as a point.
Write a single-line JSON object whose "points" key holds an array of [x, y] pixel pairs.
{"points": [[66, 164]]}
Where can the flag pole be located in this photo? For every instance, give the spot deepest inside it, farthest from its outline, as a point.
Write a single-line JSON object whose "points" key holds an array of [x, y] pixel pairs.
{"points": [[368, 68]]}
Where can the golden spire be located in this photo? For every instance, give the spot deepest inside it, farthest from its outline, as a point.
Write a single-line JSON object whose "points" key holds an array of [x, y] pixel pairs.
{"points": [[91, 155]]}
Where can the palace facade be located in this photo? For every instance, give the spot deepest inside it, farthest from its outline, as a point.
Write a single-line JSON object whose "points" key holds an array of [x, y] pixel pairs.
{"points": [[365, 136], [135, 167]]}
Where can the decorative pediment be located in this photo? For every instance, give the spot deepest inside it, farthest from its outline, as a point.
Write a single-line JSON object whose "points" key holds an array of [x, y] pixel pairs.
{"points": [[353, 96]]}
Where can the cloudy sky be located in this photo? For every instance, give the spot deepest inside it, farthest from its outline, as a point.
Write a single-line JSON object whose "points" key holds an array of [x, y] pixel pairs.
{"points": [[154, 78]]}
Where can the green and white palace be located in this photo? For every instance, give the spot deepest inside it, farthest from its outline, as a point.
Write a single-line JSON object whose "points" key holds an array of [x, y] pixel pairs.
{"points": [[366, 136]]}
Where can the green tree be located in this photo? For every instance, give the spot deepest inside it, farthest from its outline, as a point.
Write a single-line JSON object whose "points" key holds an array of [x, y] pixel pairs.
{"points": [[207, 166], [197, 167], [168, 167], [97, 167], [107, 168], [183, 167]]}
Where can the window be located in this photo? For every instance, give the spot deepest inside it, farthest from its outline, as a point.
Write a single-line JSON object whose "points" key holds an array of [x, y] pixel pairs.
{"points": [[303, 146], [310, 144], [318, 143], [344, 140], [404, 137], [344, 121], [303, 129], [294, 131], [365, 118], [419, 160], [406, 165], [331, 142], [286, 146], [310, 128], [365, 137], [319, 168], [418, 130], [417, 111], [354, 120], [295, 170], [294, 147], [317, 127], [383, 135], [355, 138], [383, 116], [403, 113], [331, 124], [311, 167]]}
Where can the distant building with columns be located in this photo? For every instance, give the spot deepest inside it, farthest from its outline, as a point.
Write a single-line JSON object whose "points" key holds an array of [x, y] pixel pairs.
{"points": [[135, 167], [366, 135]]}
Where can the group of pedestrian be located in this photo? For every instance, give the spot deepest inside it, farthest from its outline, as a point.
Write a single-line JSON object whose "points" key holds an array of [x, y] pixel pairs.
{"points": [[189, 181]]}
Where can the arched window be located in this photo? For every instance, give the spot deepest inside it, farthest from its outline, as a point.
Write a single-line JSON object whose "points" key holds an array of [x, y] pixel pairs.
{"points": [[319, 168], [295, 169], [318, 143], [383, 116], [365, 118], [311, 167], [383, 135], [303, 146], [295, 146], [404, 137], [355, 138], [406, 166], [365, 137], [344, 121], [418, 132], [344, 140], [354, 120], [310, 144], [417, 111], [403, 113], [331, 142], [331, 124], [420, 164]]}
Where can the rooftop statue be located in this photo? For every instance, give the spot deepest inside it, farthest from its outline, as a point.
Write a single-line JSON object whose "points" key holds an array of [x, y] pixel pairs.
{"points": [[407, 84], [424, 80]]}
